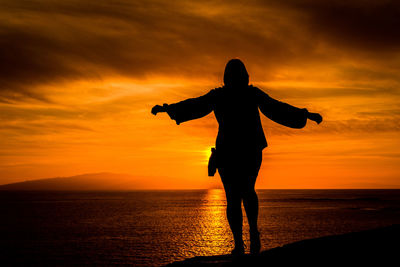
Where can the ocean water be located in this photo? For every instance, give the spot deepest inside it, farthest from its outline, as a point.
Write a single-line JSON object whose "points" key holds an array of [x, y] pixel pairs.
{"points": [[152, 228]]}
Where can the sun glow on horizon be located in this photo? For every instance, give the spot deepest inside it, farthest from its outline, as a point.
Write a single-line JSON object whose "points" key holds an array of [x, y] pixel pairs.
{"points": [[91, 113]]}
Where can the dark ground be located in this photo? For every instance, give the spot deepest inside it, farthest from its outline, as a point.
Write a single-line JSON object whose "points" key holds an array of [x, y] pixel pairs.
{"points": [[377, 247]]}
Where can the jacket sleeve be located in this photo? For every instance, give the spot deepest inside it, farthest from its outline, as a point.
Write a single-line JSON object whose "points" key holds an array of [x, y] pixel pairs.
{"points": [[192, 108], [280, 112]]}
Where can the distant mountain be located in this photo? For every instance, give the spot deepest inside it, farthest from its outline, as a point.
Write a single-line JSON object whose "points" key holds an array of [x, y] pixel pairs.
{"points": [[91, 181]]}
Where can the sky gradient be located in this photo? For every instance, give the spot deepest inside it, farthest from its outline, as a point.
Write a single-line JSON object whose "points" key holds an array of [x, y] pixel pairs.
{"points": [[78, 80]]}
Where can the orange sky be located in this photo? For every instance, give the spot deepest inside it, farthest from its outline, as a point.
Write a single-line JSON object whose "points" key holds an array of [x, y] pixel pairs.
{"points": [[78, 80]]}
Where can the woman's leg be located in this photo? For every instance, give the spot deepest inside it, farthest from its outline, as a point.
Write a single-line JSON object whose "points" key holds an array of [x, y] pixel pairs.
{"points": [[235, 217], [233, 209], [239, 180], [250, 202]]}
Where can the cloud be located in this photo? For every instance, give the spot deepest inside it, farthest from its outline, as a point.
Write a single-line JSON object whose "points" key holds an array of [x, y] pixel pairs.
{"points": [[42, 127], [78, 79], [368, 25], [348, 49], [46, 42]]}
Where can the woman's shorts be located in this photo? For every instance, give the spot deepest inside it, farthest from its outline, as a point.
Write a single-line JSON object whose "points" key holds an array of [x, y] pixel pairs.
{"points": [[239, 168]]}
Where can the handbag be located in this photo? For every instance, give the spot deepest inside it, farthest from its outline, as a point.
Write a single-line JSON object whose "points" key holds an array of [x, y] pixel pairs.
{"points": [[212, 162]]}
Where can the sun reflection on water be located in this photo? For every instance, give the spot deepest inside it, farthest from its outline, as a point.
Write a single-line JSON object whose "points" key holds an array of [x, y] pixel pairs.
{"points": [[213, 237]]}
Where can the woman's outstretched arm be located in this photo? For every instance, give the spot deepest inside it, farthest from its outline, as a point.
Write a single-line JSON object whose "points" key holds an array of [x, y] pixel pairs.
{"points": [[284, 113], [189, 109]]}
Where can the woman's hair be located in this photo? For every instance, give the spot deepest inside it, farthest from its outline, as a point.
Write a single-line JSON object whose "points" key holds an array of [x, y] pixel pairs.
{"points": [[235, 74]]}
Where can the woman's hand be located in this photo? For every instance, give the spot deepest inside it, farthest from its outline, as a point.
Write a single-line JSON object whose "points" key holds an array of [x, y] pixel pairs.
{"points": [[158, 108], [315, 117]]}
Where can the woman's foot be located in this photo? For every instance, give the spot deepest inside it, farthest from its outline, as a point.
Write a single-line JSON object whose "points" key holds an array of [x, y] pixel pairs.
{"points": [[239, 247], [238, 250], [255, 243]]}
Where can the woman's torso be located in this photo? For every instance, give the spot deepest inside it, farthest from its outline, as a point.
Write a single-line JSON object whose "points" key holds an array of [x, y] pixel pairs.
{"points": [[240, 129]]}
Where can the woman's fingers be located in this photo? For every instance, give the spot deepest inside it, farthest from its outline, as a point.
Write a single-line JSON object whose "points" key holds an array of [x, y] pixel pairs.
{"points": [[316, 117], [156, 109]]}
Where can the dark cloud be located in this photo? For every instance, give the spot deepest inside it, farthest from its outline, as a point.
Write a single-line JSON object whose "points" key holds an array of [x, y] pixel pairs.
{"points": [[27, 60], [371, 25], [47, 42], [329, 92], [56, 42]]}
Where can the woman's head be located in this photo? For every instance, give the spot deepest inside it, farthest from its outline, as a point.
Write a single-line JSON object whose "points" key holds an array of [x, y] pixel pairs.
{"points": [[235, 74]]}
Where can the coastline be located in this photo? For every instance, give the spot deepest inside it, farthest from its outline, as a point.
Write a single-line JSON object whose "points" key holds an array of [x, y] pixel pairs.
{"points": [[376, 246]]}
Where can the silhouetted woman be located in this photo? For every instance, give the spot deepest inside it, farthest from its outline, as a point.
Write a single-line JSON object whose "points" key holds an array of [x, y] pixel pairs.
{"points": [[240, 140]]}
